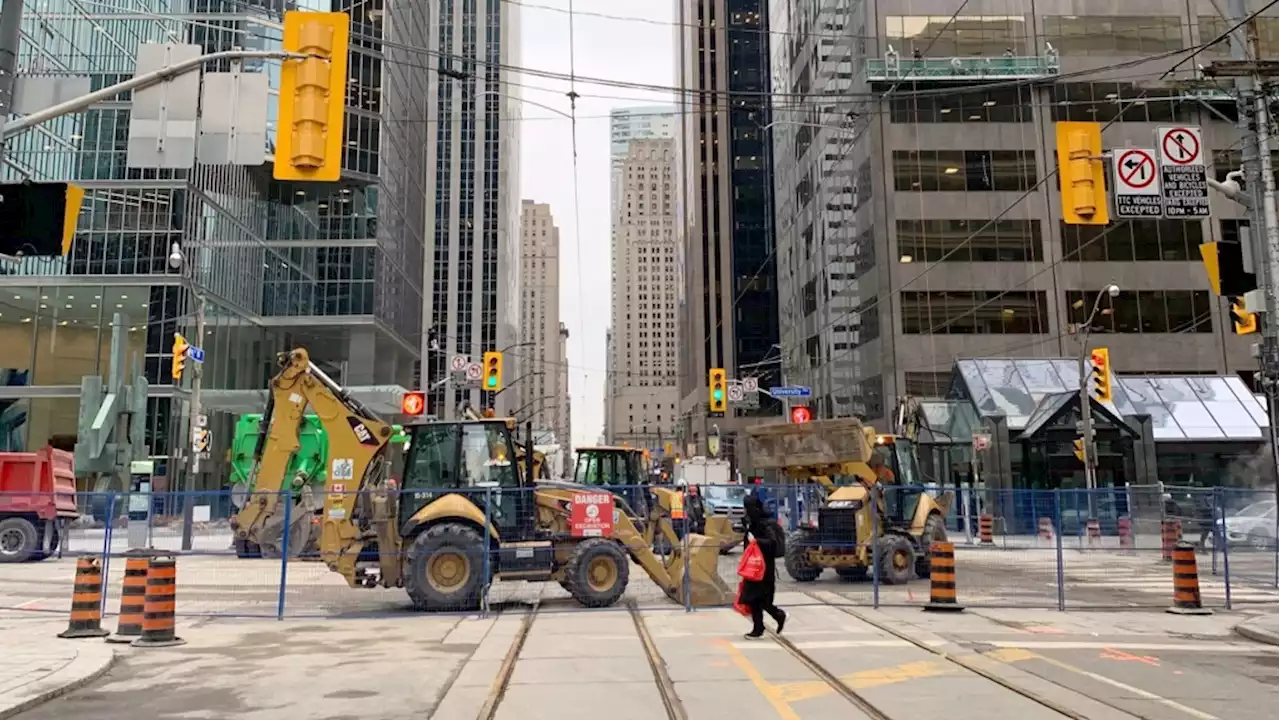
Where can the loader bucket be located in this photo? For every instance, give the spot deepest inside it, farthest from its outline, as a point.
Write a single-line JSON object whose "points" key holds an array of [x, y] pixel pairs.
{"points": [[720, 528], [705, 586]]}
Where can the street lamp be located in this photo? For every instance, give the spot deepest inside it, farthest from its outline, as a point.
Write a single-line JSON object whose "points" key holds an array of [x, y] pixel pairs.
{"points": [[1086, 409]]}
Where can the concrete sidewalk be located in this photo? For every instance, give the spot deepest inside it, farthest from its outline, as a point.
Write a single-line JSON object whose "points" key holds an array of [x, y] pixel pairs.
{"points": [[1261, 628], [37, 666]]}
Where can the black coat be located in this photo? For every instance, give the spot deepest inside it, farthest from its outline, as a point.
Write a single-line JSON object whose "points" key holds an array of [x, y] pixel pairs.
{"points": [[761, 592]]}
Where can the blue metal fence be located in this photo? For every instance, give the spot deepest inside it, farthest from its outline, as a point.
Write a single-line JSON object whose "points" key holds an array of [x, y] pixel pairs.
{"points": [[1047, 548]]}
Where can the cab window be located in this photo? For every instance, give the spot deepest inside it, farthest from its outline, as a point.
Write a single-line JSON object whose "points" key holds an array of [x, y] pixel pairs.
{"points": [[487, 459], [908, 470], [432, 458]]}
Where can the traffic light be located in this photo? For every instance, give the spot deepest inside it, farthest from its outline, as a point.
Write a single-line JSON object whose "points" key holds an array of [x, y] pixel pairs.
{"points": [[313, 90], [39, 219], [1100, 372], [716, 390], [413, 403], [1081, 174], [493, 371], [1242, 321], [1224, 263], [801, 414], [179, 356], [1078, 447]]}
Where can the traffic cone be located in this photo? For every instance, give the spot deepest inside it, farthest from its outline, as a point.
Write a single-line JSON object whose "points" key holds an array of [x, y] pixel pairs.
{"points": [[86, 602], [158, 620], [942, 578]]}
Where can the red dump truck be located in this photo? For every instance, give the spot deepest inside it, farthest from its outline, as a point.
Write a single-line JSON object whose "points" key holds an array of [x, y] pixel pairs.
{"points": [[37, 501]]}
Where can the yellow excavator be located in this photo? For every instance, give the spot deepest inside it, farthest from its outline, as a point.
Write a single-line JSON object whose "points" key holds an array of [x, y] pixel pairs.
{"points": [[853, 464], [464, 514]]}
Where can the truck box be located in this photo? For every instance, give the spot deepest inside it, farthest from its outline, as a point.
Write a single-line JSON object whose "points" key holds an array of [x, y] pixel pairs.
{"points": [[37, 500]]}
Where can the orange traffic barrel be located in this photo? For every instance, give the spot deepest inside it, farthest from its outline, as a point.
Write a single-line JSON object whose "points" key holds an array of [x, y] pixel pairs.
{"points": [[1170, 535], [132, 601], [1186, 582], [986, 528], [942, 578], [159, 628], [1094, 531], [1124, 528], [86, 601], [1045, 529]]}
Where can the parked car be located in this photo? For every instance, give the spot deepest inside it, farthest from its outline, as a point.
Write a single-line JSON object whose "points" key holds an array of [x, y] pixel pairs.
{"points": [[1253, 525]]}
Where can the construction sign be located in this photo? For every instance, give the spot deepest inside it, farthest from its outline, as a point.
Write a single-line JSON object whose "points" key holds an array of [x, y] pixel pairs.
{"points": [[591, 515]]}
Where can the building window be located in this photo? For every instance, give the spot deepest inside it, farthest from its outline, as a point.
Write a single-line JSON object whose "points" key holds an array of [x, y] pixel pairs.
{"points": [[1134, 240], [964, 170], [1212, 26], [969, 241], [927, 384], [1000, 105], [974, 312], [945, 36], [1112, 102], [1113, 35], [1144, 311]]}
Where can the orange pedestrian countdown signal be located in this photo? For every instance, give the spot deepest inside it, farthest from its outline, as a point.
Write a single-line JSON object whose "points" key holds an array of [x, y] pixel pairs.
{"points": [[801, 414], [413, 403]]}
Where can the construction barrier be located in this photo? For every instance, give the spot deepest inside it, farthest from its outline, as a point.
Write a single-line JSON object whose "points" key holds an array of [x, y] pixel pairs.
{"points": [[1186, 582], [1094, 532], [1170, 534], [159, 625], [986, 526], [1124, 529], [942, 578], [86, 601], [132, 601], [1045, 530]]}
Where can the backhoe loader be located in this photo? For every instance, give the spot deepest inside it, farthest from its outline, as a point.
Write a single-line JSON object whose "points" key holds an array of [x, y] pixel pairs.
{"points": [[853, 464], [464, 514]]}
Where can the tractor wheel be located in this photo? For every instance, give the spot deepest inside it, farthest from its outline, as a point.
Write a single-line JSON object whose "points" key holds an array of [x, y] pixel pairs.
{"points": [[897, 560], [445, 567], [596, 573], [798, 566], [935, 530], [853, 573], [19, 540]]}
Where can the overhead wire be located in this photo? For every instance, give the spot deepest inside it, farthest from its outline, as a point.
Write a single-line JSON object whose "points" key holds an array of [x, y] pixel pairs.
{"points": [[577, 214]]}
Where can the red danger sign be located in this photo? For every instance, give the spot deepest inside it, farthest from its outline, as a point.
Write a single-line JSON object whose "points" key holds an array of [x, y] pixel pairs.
{"points": [[591, 515]]}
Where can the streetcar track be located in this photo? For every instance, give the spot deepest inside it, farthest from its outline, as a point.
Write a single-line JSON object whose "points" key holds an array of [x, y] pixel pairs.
{"points": [[498, 690], [966, 664], [666, 688], [835, 683]]}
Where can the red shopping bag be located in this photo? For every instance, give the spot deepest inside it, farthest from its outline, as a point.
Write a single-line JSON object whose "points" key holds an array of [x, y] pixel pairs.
{"points": [[738, 606], [751, 567]]}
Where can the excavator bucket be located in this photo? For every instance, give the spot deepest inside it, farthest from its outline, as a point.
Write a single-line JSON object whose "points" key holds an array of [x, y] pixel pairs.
{"points": [[720, 528], [817, 443], [700, 572]]}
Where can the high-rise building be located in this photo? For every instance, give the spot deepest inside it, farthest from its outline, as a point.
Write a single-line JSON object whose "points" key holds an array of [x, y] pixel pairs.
{"points": [[332, 267], [915, 228], [636, 123], [729, 309], [643, 390], [541, 389], [473, 258]]}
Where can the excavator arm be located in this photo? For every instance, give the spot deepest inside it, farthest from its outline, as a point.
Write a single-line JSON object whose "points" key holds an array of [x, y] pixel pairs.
{"points": [[356, 441]]}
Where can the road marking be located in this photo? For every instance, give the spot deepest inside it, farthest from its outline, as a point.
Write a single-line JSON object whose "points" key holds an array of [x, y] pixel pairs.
{"points": [[1168, 647], [807, 690], [1111, 653], [823, 644], [770, 692], [1174, 705]]}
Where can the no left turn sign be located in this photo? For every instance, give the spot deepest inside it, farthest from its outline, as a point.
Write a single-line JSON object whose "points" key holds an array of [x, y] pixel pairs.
{"points": [[1136, 172], [1180, 146]]}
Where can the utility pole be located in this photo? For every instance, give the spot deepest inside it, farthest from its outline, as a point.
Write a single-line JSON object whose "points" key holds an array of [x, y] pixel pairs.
{"points": [[10, 37], [197, 370]]}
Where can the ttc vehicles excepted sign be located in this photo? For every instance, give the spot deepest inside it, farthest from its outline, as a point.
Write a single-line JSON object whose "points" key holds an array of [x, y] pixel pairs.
{"points": [[1137, 184], [591, 515]]}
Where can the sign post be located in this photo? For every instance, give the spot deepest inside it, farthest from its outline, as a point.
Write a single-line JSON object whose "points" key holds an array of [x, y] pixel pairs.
{"points": [[1182, 172], [1137, 184]]}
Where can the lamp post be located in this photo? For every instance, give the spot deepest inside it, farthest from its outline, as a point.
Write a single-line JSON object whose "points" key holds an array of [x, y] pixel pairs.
{"points": [[1086, 409]]}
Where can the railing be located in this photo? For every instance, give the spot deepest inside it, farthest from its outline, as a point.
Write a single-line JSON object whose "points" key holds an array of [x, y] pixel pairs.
{"points": [[894, 68], [1063, 549]]}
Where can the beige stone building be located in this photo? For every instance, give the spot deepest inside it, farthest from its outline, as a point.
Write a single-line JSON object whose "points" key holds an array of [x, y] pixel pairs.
{"points": [[643, 390], [543, 384]]}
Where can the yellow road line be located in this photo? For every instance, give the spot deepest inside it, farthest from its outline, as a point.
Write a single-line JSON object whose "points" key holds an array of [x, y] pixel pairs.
{"points": [[769, 691], [797, 691]]}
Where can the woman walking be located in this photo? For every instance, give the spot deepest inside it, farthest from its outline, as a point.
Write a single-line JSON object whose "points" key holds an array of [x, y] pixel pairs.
{"points": [[758, 595]]}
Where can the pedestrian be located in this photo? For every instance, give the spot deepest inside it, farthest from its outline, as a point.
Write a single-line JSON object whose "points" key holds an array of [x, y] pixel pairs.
{"points": [[758, 595]]}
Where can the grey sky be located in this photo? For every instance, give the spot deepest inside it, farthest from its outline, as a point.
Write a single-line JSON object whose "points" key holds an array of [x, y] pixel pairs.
{"points": [[631, 51]]}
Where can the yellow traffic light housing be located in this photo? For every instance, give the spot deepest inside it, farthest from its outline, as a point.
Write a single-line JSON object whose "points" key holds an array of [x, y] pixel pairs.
{"points": [[309, 127], [39, 218], [1078, 448], [1081, 174], [180, 346], [492, 366], [1243, 322], [1100, 374], [716, 391]]}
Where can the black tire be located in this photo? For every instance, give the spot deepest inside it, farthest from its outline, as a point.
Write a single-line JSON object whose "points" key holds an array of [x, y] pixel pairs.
{"points": [[597, 572], [854, 573], [935, 530], [19, 540], [897, 560], [459, 551], [798, 566]]}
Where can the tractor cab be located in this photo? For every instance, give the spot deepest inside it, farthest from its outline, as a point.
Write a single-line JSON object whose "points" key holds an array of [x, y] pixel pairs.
{"points": [[897, 471], [620, 469]]}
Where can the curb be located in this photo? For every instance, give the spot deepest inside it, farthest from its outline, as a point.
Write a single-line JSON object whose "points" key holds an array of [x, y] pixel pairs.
{"points": [[1267, 637], [85, 669]]}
